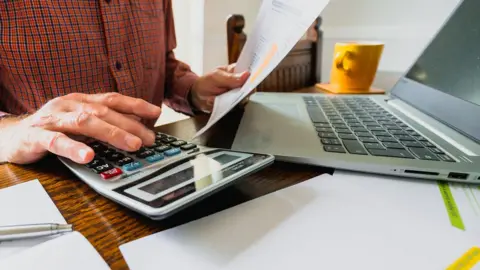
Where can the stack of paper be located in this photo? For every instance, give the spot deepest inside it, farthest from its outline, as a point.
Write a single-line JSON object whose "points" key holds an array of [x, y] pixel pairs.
{"points": [[345, 221], [279, 26], [29, 203]]}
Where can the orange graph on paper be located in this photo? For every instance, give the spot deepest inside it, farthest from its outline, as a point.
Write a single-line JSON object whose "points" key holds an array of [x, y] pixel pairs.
{"points": [[265, 63]]}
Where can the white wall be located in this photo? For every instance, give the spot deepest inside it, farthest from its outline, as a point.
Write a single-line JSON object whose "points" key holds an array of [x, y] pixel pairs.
{"points": [[405, 26]]}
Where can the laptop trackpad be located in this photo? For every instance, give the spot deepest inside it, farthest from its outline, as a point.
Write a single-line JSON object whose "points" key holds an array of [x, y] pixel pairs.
{"points": [[281, 128]]}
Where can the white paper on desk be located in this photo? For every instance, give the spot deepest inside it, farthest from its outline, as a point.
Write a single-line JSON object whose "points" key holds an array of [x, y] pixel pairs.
{"points": [[71, 251], [278, 27], [26, 203], [348, 221]]}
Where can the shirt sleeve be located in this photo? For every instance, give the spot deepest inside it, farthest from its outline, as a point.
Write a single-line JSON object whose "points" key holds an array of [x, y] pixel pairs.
{"points": [[179, 78]]}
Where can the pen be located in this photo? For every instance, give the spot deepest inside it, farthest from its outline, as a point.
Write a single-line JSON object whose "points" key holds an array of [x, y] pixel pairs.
{"points": [[16, 232]]}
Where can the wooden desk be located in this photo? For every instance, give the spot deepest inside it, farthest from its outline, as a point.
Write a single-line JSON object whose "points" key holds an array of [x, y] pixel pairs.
{"points": [[107, 225]]}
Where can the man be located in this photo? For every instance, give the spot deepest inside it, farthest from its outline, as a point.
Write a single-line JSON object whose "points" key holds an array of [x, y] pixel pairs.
{"points": [[95, 69]]}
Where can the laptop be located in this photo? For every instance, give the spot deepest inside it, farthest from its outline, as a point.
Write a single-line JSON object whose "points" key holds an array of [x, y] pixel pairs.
{"points": [[427, 126]]}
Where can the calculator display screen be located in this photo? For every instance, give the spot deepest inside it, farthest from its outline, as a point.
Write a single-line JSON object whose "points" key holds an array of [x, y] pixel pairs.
{"points": [[168, 182]]}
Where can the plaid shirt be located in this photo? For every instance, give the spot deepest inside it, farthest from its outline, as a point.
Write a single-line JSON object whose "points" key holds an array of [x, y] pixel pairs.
{"points": [[52, 48]]}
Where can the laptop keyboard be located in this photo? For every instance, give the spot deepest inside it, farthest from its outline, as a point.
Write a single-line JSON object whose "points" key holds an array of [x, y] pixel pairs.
{"points": [[357, 125]]}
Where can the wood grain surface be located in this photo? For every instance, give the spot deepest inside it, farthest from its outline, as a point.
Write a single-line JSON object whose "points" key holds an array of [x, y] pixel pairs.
{"points": [[108, 225]]}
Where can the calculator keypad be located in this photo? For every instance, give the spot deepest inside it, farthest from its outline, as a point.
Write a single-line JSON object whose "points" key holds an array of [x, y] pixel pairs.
{"points": [[110, 163]]}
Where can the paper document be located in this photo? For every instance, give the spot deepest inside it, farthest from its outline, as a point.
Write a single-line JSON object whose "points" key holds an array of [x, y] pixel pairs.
{"points": [[279, 26], [345, 221], [71, 251], [26, 203]]}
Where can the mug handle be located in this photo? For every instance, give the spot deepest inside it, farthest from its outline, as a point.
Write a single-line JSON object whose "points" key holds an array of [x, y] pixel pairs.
{"points": [[340, 59]]}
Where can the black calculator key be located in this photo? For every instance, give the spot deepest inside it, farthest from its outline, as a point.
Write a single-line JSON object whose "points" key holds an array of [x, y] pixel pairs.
{"points": [[94, 163], [168, 139], [145, 154], [397, 153], [424, 154], [97, 147], [102, 168], [188, 146], [105, 153], [115, 156], [154, 145], [354, 147], [163, 148], [330, 142], [334, 149], [178, 143], [124, 161], [160, 136], [393, 145], [347, 136]]}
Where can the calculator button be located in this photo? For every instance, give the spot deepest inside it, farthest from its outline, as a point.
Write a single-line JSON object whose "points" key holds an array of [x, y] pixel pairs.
{"points": [[111, 173], [172, 152], [115, 156], [132, 166], [154, 145], [124, 160], [160, 136], [102, 168], [97, 147], [145, 154], [105, 153], [178, 143], [188, 146], [163, 148], [155, 158], [168, 139], [94, 163]]}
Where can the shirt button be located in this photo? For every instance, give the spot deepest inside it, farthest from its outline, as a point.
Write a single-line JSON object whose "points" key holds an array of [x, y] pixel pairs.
{"points": [[118, 65]]}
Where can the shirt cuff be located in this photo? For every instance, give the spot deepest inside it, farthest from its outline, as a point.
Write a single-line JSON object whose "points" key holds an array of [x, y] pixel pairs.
{"points": [[180, 99]]}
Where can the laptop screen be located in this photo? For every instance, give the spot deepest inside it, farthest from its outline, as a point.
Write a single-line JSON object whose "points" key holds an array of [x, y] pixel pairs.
{"points": [[447, 73]]}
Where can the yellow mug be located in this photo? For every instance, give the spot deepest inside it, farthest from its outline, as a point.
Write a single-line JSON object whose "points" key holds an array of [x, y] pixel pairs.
{"points": [[355, 65]]}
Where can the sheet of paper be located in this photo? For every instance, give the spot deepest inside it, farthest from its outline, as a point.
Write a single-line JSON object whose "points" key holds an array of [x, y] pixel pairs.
{"points": [[70, 251], [279, 26], [345, 221], [26, 203]]}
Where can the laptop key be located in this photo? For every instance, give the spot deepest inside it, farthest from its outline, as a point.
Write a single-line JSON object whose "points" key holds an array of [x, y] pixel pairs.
{"points": [[398, 132], [347, 136], [316, 115], [373, 146], [397, 153], [355, 125], [339, 126], [367, 139], [327, 135], [354, 147], [323, 129], [363, 134], [420, 138], [380, 133], [412, 144], [428, 144], [393, 145], [322, 125], [359, 129], [377, 128], [330, 142], [343, 130], [334, 149], [386, 139], [404, 138], [423, 154], [446, 158], [437, 151]]}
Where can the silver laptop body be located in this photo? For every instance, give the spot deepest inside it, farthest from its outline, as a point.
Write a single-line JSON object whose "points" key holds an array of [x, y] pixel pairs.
{"points": [[427, 127]]}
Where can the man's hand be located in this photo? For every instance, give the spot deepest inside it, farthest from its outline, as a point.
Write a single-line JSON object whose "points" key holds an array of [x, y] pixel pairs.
{"points": [[111, 118], [221, 80]]}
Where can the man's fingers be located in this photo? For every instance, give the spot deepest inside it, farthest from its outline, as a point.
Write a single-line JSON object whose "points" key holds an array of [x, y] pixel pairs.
{"points": [[83, 123], [229, 80], [62, 145], [119, 120], [120, 103]]}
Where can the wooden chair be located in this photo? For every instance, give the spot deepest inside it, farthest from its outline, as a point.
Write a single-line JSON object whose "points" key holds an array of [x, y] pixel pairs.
{"points": [[299, 69]]}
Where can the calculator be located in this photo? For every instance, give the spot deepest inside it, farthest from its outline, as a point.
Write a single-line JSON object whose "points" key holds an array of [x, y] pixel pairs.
{"points": [[161, 179]]}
